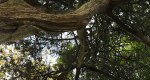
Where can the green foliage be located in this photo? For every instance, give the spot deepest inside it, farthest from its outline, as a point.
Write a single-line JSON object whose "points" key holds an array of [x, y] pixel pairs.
{"points": [[113, 53]]}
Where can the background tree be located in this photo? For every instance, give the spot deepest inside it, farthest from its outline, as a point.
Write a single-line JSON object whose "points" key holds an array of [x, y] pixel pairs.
{"points": [[111, 41]]}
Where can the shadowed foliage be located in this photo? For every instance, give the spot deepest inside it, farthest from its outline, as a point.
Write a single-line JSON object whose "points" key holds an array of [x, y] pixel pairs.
{"points": [[74, 39]]}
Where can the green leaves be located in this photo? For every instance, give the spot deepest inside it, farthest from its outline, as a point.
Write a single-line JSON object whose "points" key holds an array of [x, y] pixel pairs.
{"points": [[113, 53]]}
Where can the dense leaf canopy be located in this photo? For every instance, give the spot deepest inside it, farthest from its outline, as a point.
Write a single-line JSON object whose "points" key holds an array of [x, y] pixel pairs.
{"points": [[75, 39]]}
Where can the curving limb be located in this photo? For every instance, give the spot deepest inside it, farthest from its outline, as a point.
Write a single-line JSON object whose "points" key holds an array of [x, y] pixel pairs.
{"points": [[20, 12]]}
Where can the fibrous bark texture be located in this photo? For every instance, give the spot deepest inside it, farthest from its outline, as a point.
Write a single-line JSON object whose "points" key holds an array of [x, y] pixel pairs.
{"points": [[15, 14]]}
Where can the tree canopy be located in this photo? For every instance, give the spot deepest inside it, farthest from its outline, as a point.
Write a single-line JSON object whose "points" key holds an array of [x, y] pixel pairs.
{"points": [[74, 39]]}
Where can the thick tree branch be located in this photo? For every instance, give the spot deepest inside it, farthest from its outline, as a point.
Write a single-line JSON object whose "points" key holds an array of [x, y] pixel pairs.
{"points": [[28, 13], [82, 37], [20, 12]]}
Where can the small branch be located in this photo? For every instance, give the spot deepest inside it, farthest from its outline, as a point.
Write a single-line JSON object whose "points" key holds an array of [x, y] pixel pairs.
{"points": [[141, 37], [94, 69], [75, 38], [59, 39], [77, 73], [54, 74]]}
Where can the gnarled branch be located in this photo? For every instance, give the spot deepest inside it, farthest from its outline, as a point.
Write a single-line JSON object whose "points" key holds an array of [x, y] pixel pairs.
{"points": [[20, 12]]}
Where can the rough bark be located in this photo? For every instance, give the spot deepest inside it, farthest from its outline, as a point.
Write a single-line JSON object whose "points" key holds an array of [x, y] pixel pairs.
{"points": [[28, 14], [19, 12]]}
